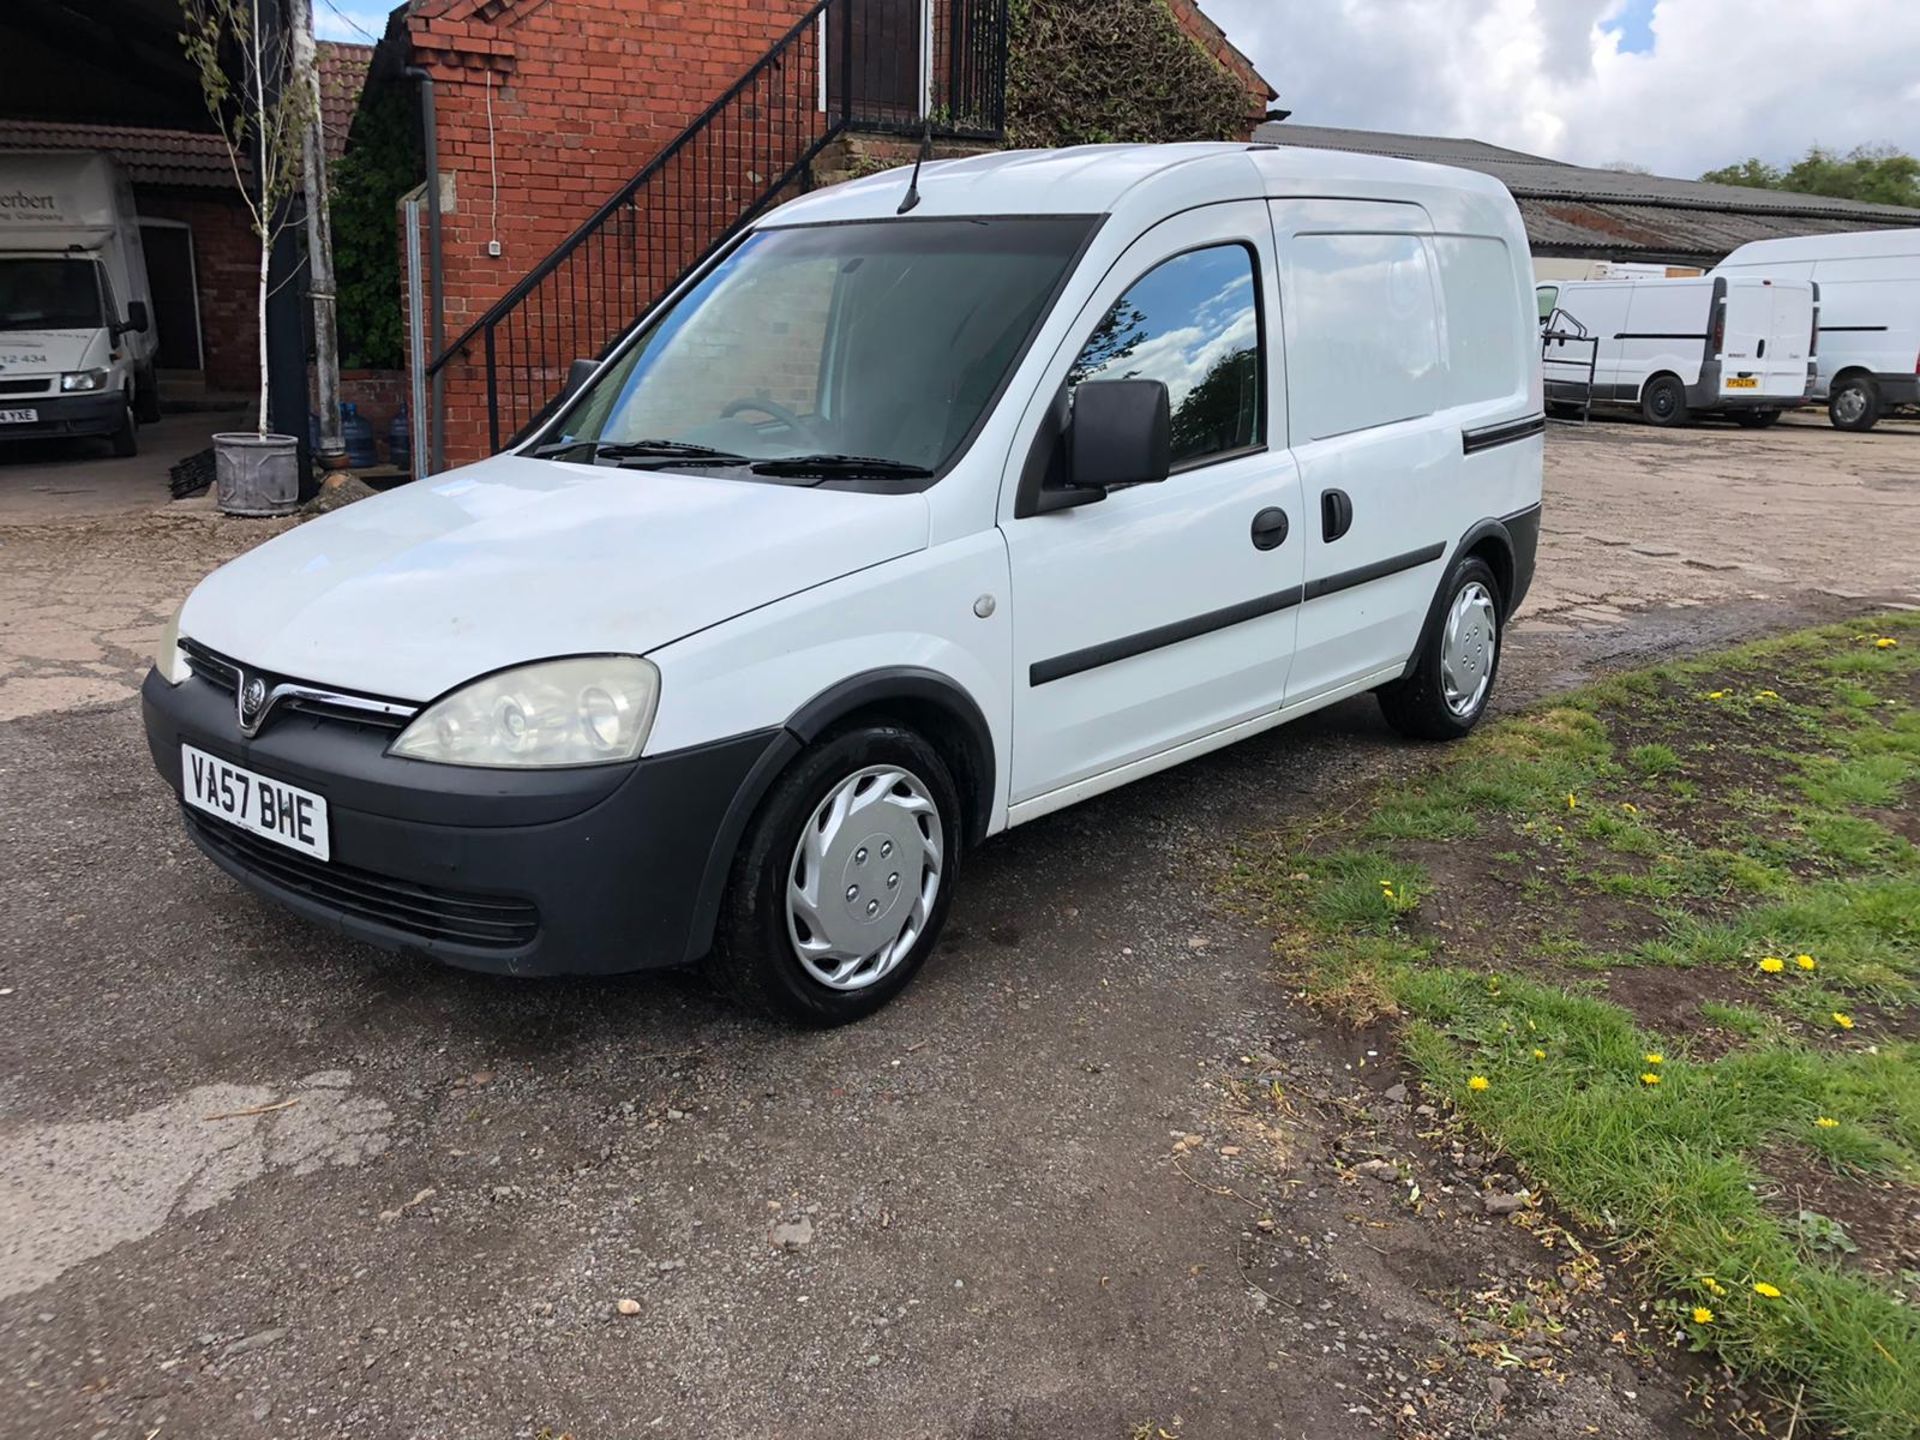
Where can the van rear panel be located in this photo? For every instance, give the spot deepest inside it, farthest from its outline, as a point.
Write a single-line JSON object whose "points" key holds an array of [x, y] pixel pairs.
{"points": [[1765, 331]]}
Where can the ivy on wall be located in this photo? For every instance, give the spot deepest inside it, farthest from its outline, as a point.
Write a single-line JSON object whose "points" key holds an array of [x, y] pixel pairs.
{"points": [[381, 165], [1085, 72]]}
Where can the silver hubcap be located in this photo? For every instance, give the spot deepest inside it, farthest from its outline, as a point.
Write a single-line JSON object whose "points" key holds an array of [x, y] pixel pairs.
{"points": [[864, 877], [1850, 403], [1468, 645]]}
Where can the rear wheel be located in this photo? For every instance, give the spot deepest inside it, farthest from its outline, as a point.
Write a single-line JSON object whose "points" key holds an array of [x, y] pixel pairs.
{"points": [[1755, 419], [1854, 403], [126, 439], [1664, 401], [1452, 679], [843, 880]]}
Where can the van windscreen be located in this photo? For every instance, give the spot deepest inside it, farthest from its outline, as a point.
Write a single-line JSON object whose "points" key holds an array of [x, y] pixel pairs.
{"points": [[884, 339], [40, 294]]}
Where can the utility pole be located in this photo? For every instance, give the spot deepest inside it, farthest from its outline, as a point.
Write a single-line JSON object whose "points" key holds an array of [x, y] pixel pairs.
{"points": [[326, 347]]}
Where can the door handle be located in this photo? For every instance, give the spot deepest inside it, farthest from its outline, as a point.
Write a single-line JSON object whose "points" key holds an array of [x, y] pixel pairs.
{"points": [[1761, 352], [1269, 529], [1336, 514]]}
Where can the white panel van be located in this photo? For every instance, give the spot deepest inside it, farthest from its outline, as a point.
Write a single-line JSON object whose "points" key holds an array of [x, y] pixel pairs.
{"points": [[76, 341], [1869, 280], [921, 511], [1675, 349]]}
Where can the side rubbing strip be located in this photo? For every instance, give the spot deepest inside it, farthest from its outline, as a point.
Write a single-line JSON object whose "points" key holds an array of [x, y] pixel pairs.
{"points": [[1378, 570], [1076, 662], [1504, 433]]}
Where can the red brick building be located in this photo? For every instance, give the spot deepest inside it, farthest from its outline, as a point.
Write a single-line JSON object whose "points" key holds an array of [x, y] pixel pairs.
{"points": [[546, 111]]}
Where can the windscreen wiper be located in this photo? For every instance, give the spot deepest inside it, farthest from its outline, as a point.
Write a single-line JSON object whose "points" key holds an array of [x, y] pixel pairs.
{"points": [[839, 467], [642, 450]]}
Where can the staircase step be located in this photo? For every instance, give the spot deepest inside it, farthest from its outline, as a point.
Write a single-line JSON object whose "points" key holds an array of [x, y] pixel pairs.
{"points": [[854, 155]]}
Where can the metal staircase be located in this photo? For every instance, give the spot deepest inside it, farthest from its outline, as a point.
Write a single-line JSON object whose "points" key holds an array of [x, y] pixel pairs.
{"points": [[846, 66]]}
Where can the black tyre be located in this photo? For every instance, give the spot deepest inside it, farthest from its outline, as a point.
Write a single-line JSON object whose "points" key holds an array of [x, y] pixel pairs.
{"points": [[126, 439], [1854, 403], [1664, 401], [1452, 678], [843, 880], [1756, 419]]}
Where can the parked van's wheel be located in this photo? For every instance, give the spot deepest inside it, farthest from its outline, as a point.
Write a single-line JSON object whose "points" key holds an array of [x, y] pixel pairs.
{"points": [[1755, 419], [126, 439], [1452, 677], [1664, 401], [843, 879], [146, 397], [1854, 403]]}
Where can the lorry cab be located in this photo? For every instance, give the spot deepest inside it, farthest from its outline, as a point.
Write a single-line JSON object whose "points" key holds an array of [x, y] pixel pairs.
{"points": [[1674, 349], [932, 505], [76, 341], [1869, 287]]}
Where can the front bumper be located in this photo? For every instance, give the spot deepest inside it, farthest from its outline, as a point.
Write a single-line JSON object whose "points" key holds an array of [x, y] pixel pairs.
{"points": [[98, 413], [542, 872]]}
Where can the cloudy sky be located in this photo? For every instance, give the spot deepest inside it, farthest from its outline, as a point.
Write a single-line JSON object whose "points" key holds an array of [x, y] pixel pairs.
{"points": [[1676, 85], [1679, 86]]}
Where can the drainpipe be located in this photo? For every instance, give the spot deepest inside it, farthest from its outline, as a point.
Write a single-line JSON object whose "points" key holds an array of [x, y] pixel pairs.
{"points": [[429, 139]]}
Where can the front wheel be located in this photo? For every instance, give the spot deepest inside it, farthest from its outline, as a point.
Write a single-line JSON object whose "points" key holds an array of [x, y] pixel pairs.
{"points": [[1854, 403], [1452, 678], [126, 439], [843, 880]]}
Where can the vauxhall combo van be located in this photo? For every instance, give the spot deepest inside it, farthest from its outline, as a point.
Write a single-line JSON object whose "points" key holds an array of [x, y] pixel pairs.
{"points": [[925, 508]]}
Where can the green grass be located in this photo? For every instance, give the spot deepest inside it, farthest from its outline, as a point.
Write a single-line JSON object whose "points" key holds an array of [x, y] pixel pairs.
{"points": [[1675, 1168]]}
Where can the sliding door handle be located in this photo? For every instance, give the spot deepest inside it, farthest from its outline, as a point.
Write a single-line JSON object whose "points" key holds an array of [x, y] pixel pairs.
{"points": [[1336, 514]]}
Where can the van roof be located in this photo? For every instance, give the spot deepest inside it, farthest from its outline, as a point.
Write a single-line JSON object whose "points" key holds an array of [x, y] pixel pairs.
{"points": [[1104, 179], [1845, 245]]}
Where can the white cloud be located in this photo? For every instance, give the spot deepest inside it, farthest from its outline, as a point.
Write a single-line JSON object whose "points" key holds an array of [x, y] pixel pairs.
{"points": [[1725, 78]]}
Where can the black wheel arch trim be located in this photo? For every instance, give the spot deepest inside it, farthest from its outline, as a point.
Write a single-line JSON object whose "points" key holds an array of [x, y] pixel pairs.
{"points": [[1518, 534], [812, 720]]}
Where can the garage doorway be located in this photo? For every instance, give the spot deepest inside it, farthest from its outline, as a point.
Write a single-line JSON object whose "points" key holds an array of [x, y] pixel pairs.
{"points": [[175, 291]]}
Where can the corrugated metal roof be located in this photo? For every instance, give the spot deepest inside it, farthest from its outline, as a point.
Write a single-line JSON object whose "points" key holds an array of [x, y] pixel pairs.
{"points": [[180, 158], [343, 73], [1576, 207]]}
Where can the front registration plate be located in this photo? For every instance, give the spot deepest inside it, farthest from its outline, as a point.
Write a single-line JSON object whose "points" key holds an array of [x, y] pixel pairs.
{"points": [[1743, 382], [281, 813], [19, 417]]}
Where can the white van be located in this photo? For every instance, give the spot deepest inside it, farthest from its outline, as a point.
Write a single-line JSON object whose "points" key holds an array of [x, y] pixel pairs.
{"points": [[1678, 348], [912, 516], [76, 342], [1869, 282]]}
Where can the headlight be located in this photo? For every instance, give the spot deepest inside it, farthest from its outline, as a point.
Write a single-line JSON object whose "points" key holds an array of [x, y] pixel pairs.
{"points": [[593, 710], [84, 380], [168, 658]]}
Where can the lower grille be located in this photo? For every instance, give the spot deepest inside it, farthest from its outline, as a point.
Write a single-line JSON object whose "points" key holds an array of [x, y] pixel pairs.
{"points": [[456, 917], [25, 387]]}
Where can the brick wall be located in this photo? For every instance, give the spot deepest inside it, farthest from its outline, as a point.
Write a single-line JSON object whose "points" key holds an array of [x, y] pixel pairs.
{"points": [[226, 263], [583, 94]]}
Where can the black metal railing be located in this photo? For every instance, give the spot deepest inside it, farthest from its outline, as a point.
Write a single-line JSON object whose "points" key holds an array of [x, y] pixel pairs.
{"points": [[846, 65]]}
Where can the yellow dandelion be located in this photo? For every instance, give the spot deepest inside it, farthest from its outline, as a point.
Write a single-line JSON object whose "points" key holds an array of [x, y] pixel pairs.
{"points": [[1573, 802], [1806, 962], [1539, 1054], [1702, 1315], [1629, 807], [1649, 1079], [1766, 695], [1656, 1058], [1477, 1082], [1771, 1292], [1844, 1021], [1826, 1122], [1885, 642], [1716, 695], [1712, 1285], [1773, 964]]}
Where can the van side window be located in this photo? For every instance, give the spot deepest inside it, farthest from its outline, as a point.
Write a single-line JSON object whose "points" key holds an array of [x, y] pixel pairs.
{"points": [[1194, 322], [1363, 333]]}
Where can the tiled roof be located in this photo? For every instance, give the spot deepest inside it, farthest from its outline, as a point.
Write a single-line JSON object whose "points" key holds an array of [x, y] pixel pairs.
{"points": [[180, 158], [1575, 207], [343, 71]]}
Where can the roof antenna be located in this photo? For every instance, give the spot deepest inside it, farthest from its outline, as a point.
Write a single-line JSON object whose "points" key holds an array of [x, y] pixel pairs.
{"points": [[913, 185]]}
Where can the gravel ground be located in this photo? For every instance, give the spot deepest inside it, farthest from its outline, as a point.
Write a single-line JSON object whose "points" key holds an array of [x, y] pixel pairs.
{"points": [[255, 1181]]}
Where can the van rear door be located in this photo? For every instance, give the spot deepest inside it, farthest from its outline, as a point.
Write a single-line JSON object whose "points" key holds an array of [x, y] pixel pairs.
{"points": [[1757, 358]]}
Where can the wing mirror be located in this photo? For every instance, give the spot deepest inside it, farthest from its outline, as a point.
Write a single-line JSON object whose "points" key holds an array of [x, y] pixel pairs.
{"points": [[578, 374], [137, 319], [1120, 433]]}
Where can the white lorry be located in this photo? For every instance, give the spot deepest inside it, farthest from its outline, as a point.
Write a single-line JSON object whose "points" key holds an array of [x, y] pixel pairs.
{"points": [[76, 335], [1869, 314], [1739, 346]]}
